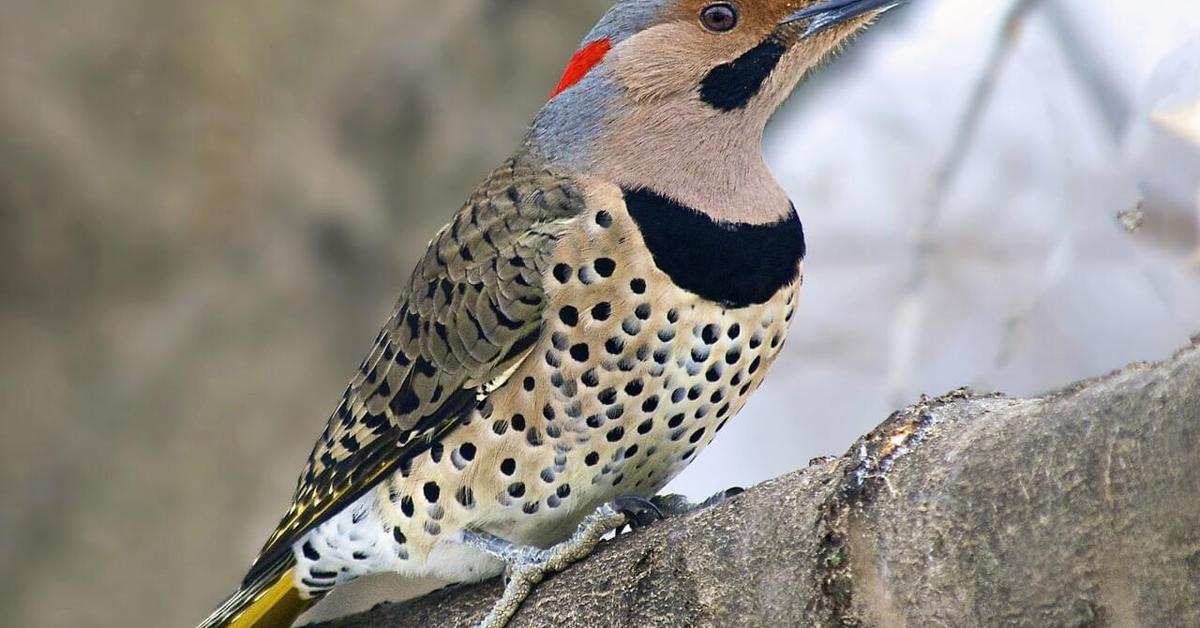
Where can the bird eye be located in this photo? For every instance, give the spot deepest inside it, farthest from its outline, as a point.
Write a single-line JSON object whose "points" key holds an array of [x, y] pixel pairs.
{"points": [[720, 17]]}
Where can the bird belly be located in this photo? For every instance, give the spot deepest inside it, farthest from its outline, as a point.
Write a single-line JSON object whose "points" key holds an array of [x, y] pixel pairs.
{"points": [[631, 378]]}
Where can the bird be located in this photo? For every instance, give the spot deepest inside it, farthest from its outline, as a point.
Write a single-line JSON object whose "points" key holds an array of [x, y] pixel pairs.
{"points": [[594, 314]]}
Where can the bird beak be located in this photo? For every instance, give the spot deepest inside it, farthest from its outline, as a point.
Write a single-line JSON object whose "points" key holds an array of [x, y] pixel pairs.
{"points": [[829, 13]]}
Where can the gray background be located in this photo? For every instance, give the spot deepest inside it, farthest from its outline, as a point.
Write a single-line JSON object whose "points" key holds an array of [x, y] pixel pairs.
{"points": [[206, 208]]}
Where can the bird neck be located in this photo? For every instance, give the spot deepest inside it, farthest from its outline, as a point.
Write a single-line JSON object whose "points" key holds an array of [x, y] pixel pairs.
{"points": [[709, 161], [714, 166]]}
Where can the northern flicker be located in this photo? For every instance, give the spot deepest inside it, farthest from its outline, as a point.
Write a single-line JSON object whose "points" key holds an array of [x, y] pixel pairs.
{"points": [[598, 310]]}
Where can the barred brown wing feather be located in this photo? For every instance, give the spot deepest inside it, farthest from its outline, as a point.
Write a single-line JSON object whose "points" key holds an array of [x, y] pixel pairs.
{"points": [[472, 309]]}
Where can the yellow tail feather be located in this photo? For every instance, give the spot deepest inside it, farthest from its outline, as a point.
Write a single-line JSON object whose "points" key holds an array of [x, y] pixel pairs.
{"points": [[272, 602]]}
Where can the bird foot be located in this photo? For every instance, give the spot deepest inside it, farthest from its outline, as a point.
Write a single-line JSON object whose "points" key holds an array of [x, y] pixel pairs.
{"points": [[639, 512], [674, 505], [527, 566]]}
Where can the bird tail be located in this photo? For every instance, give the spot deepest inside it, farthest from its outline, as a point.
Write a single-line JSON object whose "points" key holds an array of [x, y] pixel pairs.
{"points": [[270, 600]]}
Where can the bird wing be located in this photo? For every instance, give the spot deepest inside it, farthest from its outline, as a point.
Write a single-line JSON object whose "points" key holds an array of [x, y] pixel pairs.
{"points": [[471, 312]]}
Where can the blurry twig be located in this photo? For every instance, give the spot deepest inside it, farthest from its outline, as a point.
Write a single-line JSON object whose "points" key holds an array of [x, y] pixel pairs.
{"points": [[981, 94], [906, 332], [1118, 111], [1114, 107]]}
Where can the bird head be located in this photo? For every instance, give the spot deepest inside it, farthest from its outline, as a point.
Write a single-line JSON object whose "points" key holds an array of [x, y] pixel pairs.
{"points": [[674, 95]]}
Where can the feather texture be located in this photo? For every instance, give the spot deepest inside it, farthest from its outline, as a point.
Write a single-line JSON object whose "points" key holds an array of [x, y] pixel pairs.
{"points": [[470, 312]]}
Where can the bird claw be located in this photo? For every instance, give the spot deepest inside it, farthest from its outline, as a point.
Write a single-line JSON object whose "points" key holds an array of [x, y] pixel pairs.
{"points": [[722, 497], [639, 512], [526, 566], [673, 505]]}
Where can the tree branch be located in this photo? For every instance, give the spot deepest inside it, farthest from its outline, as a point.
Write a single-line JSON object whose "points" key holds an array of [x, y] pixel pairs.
{"points": [[1080, 508]]}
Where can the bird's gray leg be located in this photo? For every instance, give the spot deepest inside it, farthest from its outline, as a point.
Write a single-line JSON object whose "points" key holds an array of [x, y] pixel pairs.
{"points": [[671, 505], [527, 566]]}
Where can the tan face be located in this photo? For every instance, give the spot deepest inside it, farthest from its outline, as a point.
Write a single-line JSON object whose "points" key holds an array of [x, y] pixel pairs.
{"points": [[669, 60], [662, 134], [679, 107]]}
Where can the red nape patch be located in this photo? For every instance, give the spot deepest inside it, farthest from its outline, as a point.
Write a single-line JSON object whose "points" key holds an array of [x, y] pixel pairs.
{"points": [[581, 63]]}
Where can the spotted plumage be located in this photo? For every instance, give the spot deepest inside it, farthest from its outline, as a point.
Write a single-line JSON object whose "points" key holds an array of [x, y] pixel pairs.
{"points": [[471, 312], [630, 378], [584, 326]]}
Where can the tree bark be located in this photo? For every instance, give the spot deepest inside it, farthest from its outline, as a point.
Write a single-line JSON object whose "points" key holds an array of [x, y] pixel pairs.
{"points": [[1079, 508]]}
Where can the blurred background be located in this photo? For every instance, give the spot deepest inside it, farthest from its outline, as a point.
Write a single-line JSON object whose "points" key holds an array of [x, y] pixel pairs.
{"points": [[206, 210]]}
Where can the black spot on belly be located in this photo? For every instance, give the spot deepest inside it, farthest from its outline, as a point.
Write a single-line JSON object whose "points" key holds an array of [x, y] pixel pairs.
{"points": [[605, 266], [735, 265]]}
